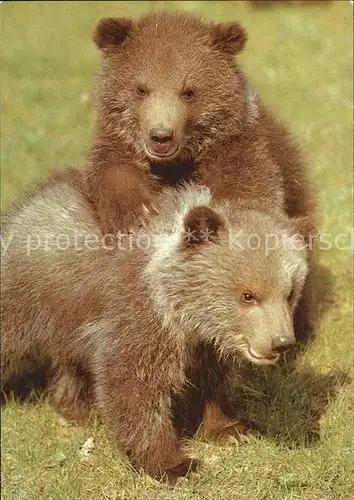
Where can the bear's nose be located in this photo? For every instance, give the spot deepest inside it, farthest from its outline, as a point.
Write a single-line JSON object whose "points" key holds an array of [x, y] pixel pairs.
{"points": [[161, 135], [283, 343]]}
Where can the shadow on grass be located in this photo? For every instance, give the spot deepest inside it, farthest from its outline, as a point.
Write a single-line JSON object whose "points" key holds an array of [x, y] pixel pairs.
{"points": [[28, 388], [317, 299], [287, 405]]}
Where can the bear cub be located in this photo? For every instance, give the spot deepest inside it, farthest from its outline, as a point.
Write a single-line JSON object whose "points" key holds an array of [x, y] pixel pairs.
{"points": [[173, 104], [130, 332]]}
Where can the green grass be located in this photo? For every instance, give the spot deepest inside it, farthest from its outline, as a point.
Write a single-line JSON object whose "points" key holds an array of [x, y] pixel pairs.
{"points": [[300, 61]]}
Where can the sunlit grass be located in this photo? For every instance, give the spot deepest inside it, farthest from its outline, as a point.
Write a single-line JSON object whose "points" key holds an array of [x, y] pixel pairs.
{"points": [[300, 61]]}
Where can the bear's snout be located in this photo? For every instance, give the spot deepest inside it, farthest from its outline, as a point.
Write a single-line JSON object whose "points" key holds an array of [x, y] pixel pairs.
{"points": [[162, 142], [283, 343], [161, 135]]}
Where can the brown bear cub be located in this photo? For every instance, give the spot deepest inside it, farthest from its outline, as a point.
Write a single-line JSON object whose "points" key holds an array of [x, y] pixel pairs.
{"points": [[173, 104], [131, 332]]}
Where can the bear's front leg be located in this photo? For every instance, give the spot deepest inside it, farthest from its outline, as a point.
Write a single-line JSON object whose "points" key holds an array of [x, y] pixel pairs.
{"points": [[135, 405], [123, 195]]}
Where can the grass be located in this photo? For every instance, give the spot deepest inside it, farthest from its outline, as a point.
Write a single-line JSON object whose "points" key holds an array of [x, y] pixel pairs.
{"points": [[300, 61]]}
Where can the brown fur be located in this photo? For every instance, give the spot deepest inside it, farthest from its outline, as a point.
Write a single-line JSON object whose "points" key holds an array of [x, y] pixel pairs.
{"points": [[228, 140], [147, 336], [218, 427]]}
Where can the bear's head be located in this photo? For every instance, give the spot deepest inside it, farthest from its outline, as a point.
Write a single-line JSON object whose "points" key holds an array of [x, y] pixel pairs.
{"points": [[168, 84], [232, 278]]}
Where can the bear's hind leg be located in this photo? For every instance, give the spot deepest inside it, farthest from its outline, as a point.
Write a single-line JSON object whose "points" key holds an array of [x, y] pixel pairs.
{"points": [[219, 427], [220, 421]]}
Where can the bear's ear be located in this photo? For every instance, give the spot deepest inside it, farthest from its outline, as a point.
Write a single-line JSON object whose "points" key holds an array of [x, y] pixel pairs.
{"points": [[305, 227], [229, 38], [112, 31], [200, 226]]}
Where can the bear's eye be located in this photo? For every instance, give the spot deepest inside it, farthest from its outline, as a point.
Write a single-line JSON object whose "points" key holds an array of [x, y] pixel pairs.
{"points": [[142, 91], [188, 94], [248, 298]]}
